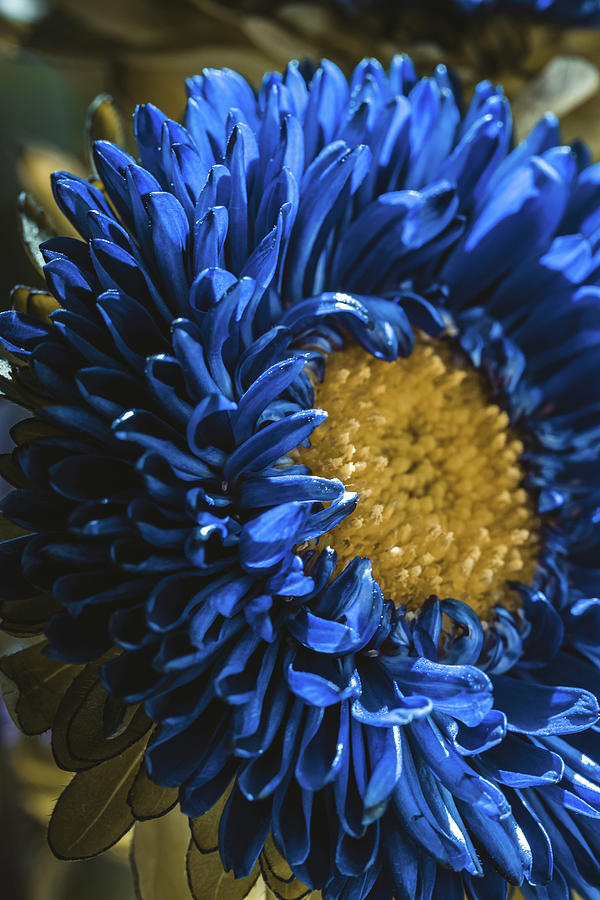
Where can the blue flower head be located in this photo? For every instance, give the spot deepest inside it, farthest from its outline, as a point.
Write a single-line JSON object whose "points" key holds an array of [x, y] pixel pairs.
{"points": [[275, 310]]}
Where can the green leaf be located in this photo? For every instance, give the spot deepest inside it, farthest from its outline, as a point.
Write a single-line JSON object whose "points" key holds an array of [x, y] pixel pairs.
{"points": [[209, 881], [33, 687], [158, 858], [149, 800], [92, 813], [278, 876]]}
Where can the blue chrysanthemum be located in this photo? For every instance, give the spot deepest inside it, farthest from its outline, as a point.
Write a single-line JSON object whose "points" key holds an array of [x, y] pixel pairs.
{"points": [[388, 743]]}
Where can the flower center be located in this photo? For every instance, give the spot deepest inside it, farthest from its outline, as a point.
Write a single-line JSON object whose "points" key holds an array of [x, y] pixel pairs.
{"points": [[441, 509]]}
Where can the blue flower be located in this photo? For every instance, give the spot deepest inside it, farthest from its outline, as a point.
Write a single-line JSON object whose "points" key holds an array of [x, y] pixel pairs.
{"points": [[177, 544]]}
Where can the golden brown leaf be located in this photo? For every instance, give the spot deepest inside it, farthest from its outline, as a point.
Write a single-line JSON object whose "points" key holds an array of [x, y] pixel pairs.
{"points": [[35, 228], [205, 829], [311, 895], [8, 529], [33, 686], [104, 122], [209, 881], [68, 709], [87, 736], [26, 616], [147, 799], [12, 384], [35, 166], [515, 894], [92, 813], [12, 472], [30, 429], [158, 855], [33, 302], [278, 876]]}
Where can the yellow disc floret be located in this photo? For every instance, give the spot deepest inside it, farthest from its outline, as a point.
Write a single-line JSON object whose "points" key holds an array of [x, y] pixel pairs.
{"points": [[441, 509]]}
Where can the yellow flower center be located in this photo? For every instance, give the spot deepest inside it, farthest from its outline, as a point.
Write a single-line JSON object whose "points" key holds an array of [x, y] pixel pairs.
{"points": [[436, 466]]}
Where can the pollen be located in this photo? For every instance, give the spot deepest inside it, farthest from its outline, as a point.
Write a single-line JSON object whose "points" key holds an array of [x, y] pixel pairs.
{"points": [[441, 507]]}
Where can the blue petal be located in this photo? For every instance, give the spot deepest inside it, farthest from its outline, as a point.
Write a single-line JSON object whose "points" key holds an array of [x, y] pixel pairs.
{"points": [[265, 540], [537, 709], [268, 445], [460, 691], [321, 683]]}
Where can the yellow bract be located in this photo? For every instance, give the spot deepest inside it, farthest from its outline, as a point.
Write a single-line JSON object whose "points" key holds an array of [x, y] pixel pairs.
{"points": [[441, 509]]}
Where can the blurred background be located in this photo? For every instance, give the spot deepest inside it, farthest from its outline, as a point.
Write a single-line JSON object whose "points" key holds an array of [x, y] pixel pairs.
{"points": [[56, 56]]}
